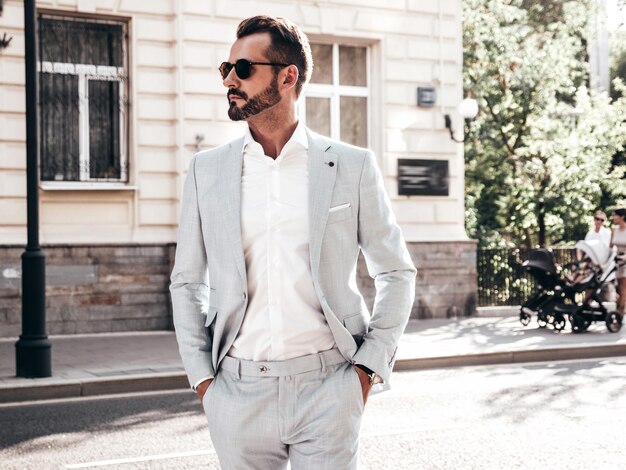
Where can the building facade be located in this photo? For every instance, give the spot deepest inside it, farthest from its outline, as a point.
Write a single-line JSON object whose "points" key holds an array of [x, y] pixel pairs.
{"points": [[130, 91]]}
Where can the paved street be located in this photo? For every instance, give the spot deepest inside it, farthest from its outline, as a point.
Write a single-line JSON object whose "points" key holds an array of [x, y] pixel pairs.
{"points": [[562, 415]]}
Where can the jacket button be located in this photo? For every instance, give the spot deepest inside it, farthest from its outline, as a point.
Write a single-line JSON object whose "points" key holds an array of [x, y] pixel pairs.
{"points": [[331, 164]]}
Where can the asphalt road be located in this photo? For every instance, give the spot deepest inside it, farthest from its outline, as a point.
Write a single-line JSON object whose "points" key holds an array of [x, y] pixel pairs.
{"points": [[565, 415]]}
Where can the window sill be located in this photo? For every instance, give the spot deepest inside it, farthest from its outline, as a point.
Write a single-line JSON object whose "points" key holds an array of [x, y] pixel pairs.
{"points": [[84, 186]]}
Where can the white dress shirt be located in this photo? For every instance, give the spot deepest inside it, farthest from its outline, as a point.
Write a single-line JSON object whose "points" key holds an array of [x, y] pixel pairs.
{"points": [[284, 318]]}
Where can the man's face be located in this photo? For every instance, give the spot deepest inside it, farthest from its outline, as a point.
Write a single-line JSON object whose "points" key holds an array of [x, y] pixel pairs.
{"points": [[260, 90]]}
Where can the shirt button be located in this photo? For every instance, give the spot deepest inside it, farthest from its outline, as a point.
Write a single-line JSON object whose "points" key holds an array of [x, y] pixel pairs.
{"points": [[263, 369]]}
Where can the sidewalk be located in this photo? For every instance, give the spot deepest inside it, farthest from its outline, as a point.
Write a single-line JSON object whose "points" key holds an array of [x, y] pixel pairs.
{"points": [[87, 365]]}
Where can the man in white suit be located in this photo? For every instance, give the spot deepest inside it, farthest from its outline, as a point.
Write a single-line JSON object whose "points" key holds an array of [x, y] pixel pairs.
{"points": [[274, 336]]}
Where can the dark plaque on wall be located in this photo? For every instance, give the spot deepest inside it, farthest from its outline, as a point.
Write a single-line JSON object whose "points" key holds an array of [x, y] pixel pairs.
{"points": [[426, 96], [422, 177]]}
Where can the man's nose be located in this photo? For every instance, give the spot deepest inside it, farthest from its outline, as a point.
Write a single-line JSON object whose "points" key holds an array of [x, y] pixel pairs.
{"points": [[231, 80]]}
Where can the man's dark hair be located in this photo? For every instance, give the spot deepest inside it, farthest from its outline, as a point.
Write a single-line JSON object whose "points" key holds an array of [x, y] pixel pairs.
{"points": [[621, 212], [289, 44]]}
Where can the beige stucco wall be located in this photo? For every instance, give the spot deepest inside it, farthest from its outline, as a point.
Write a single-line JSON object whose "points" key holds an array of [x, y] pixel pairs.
{"points": [[176, 93]]}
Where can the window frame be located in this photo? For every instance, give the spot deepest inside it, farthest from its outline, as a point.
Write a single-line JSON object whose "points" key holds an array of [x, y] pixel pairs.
{"points": [[334, 91], [85, 73]]}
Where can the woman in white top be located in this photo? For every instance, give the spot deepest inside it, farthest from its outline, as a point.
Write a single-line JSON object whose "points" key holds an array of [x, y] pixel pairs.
{"points": [[618, 239], [599, 231]]}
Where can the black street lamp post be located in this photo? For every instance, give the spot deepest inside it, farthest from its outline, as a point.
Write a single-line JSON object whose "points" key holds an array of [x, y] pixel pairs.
{"points": [[33, 352]]}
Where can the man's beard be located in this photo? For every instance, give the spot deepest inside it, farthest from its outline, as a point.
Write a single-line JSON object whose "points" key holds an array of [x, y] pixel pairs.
{"points": [[260, 102]]}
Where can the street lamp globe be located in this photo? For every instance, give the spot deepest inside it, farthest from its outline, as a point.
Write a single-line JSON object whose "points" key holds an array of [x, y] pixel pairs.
{"points": [[468, 108]]}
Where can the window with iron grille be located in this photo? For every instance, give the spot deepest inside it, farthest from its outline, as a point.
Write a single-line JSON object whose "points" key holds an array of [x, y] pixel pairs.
{"points": [[83, 104], [337, 97]]}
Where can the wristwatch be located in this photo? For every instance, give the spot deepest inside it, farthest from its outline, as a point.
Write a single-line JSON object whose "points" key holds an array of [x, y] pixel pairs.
{"points": [[373, 376]]}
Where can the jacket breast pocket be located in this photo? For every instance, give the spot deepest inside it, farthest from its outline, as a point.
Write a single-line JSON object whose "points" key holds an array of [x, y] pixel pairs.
{"points": [[339, 212]]}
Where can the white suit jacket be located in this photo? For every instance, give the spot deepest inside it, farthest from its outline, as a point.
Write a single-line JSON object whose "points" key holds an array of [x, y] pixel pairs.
{"points": [[209, 285]]}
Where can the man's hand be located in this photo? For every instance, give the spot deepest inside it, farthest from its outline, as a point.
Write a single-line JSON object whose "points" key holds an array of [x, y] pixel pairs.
{"points": [[201, 388], [365, 383]]}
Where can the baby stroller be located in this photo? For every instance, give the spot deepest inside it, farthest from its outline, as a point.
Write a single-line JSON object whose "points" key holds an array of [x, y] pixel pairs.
{"points": [[598, 270], [551, 290]]}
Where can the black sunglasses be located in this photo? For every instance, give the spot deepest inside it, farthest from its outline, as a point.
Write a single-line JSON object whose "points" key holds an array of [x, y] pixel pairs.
{"points": [[243, 68], [598, 218]]}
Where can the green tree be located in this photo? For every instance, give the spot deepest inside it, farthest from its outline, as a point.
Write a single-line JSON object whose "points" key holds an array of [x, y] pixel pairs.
{"points": [[539, 159], [618, 62]]}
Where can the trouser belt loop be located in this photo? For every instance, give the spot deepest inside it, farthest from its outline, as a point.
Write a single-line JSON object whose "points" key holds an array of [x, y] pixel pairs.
{"points": [[322, 362], [238, 370]]}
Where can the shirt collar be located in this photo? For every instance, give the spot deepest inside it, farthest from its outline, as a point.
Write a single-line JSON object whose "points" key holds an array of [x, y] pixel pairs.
{"points": [[298, 137]]}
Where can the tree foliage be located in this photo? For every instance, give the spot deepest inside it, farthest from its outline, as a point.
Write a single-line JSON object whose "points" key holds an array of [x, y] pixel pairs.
{"points": [[540, 158], [617, 57]]}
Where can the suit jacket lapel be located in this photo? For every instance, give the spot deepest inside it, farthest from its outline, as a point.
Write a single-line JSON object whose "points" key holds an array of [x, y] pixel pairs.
{"points": [[230, 189], [322, 166]]}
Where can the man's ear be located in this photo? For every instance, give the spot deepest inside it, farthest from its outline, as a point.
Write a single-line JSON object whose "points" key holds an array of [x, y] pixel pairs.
{"points": [[290, 77]]}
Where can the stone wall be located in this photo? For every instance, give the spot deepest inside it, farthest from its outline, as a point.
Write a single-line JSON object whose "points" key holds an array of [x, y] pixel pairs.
{"points": [[104, 288], [446, 281], [93, 289]]}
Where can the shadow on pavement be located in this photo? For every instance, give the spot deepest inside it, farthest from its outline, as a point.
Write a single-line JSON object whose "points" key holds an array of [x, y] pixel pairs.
{"points": [[563, 390], [507, 331], [27, 421]]}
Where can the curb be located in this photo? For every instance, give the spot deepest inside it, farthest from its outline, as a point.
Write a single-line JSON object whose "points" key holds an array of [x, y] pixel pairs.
{"points": [[512, 357], [59, 389], [94, 387]]}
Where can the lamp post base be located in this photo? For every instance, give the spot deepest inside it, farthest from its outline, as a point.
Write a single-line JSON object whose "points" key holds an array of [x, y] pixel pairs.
{"points": [[33, 357]]}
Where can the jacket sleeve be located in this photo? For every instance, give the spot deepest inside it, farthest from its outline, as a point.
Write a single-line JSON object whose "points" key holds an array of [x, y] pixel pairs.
{"points": [[389, 264], [189, 287]]}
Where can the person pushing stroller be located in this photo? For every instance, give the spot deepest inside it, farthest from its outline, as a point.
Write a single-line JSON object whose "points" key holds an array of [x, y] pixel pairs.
{"points": [[618, 242]]}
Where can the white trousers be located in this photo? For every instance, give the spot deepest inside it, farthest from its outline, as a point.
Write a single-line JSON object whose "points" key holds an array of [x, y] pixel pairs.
{"points": [[306, 411]]}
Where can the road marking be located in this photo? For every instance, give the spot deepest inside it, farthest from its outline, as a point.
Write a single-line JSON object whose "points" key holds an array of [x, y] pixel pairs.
{"points": [[104, 463]]}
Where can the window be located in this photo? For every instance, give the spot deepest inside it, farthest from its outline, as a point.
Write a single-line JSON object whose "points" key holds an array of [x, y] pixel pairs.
{"points": [[337, 97], [83, 105]]}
